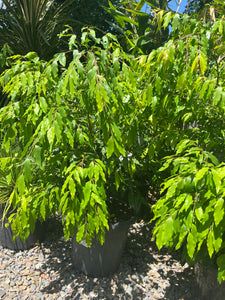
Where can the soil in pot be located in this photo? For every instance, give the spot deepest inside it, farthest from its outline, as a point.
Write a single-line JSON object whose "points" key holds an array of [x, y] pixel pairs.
{"points": [[101, 260]]}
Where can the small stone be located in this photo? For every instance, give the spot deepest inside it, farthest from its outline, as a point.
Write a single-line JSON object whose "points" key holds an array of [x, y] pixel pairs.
{"points": [[134, 277], [2, 293], [129, 290], [95, 280]]}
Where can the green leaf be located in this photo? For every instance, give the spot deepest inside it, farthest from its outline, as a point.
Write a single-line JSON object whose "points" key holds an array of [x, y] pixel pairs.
{"points": [[110, 147], [99, 100], [195, 64], [199, 213], [43, 104], [42, 209], [191, 244], [147, 96], [200, 174], [210, 242], [165, 233], [217, 95], [62, 59], [87, 194], [116, 132], [58, 130], [21, 184], [72, 187], [167, 19], [120, 148], [70, 138], [183, 144], [72, 41], [216, 179], [80, 233], [51, 135], [27, 170], [37, 155], [203, 64], [54, 68], [176, 22], [218, 211]]}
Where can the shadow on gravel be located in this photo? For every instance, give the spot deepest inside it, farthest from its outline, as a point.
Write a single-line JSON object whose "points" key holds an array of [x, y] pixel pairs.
{"points": [[144, 273]]}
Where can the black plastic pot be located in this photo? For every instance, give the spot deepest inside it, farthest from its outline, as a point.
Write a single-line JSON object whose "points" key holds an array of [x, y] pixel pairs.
{"points": [[101, 260], [6, 236], [209, 288], [6, 239]]}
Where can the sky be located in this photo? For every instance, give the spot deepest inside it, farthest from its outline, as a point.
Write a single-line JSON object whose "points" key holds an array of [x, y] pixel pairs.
{"points": [[174, 5]]}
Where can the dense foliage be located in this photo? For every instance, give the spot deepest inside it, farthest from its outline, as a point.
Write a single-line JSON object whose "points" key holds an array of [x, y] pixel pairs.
{"points": [[90, 13], [94, 121], [80, 133], [136, 25]]}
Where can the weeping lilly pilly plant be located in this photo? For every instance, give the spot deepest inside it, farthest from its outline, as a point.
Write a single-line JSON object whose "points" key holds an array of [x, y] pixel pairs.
{"points": [[91, 125], [78, 124]]}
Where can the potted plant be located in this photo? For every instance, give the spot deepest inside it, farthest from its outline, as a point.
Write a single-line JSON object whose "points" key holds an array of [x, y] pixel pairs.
{"points": [[7, 188], [190, 211], [83, 132]]}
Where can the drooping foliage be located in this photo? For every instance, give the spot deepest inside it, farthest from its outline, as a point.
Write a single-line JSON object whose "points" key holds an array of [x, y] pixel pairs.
{"points": [[89, 126], [77, 124]]}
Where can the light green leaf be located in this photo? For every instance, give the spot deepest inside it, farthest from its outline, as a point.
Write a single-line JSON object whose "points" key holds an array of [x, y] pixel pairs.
{"points": [[70, 138], [36, 109], [195, 64], [120, 148], [210, 242], [87, 194], [21, 184], [72, 187], [216, 179], [199, 213], [217, 95], [203, 64], [200, 174], [58, 130], [191, 244], [27, 170], [62, 59], [42, 209], [99, 100], [167, 19], [80, 233], [219, 211], [51, 135], [43, 104], [176, 22], [110, 147]]}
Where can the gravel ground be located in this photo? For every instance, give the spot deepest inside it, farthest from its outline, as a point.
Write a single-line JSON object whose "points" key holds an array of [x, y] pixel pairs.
{"points": [[46, 272]]}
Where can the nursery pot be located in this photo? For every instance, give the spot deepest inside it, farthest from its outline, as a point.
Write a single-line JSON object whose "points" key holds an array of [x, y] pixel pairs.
{"points": [[209, 288], [101, 260], [6, 239], [6, 236]]}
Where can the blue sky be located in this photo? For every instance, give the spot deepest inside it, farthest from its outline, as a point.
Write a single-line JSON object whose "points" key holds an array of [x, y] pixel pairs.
{"points": [[174, 5]]}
